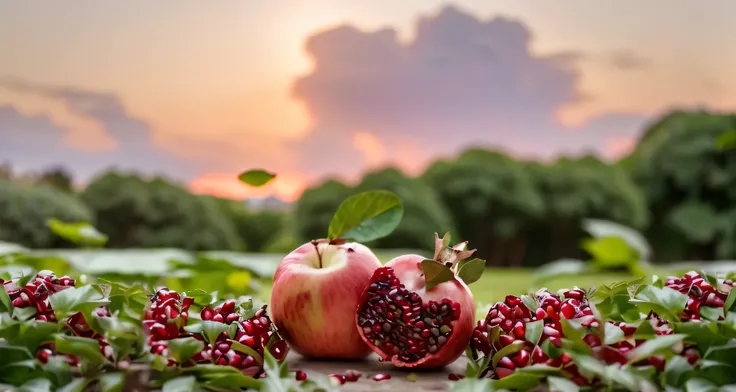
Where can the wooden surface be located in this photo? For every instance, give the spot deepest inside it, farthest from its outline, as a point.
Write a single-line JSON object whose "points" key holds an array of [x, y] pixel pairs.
{"points": [[428, 380]]}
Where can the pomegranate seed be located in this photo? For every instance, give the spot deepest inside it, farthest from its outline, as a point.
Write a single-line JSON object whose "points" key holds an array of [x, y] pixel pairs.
{"points": [[382, 376], [300, 375], [519, 329], [568, 310], [455, 377]]}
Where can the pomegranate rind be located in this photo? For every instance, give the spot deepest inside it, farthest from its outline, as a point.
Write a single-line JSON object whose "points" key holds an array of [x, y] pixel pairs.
{"points": [[408, 270], [313, 308]]}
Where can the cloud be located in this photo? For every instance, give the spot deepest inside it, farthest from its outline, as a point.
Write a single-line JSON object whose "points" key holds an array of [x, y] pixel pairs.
{"points": [[36, 142], [461, 82], [626, 60]]}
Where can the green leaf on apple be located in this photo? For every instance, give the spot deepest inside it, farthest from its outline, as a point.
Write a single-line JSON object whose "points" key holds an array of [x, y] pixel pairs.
{"points": [[366, 216], [256, 177]]}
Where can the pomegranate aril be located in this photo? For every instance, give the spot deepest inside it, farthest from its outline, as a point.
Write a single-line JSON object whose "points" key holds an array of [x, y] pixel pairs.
{"points": [[300, 375], [382, 376]]}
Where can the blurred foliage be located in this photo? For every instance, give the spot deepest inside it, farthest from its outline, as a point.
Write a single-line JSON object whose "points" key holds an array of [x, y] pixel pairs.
{"points": [[678, 187], [24, 211], [687, 172], [137, 212]]}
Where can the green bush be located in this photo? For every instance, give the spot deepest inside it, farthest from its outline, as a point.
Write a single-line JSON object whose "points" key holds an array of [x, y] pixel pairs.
{"points": [[24, 211], [136, 212]]}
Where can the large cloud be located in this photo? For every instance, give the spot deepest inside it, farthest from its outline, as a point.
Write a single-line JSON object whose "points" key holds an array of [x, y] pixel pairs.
{"points": [[462, 81], [33, 143]]}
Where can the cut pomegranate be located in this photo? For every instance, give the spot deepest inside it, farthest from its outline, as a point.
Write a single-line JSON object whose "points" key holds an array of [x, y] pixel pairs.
{"points": [[409, 325]]}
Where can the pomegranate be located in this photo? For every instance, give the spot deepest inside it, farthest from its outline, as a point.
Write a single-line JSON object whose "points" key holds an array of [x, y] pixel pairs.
{"points": [[412, 325], [315, 292]]}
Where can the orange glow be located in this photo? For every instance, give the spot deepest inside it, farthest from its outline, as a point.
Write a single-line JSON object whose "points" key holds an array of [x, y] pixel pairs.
{"points": [[618, 147], [371, 148], [286, 186]]}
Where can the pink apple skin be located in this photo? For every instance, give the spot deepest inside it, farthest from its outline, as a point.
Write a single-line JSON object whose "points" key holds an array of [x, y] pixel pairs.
{"points": [[314, 308]]}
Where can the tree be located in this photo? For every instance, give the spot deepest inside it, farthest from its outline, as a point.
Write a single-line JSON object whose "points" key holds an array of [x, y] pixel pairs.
{"points": [[424, 212], [688, 175], [24, 211], [137, 212], [575, 189], [58, 178], [492, 200], [256, 229]]}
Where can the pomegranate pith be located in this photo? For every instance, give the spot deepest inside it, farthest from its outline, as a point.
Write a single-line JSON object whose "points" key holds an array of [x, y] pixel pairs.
{"points": [[412, 326]]}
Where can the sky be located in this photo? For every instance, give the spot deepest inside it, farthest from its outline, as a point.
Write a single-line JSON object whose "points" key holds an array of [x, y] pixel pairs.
{"points": [[200, 91]]}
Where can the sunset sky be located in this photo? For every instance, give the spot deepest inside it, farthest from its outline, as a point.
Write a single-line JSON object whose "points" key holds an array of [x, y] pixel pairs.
{"points": [[200, 90]]}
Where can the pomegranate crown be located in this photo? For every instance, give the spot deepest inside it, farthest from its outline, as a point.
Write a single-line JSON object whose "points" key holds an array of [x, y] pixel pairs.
{"points": [[451, 262]]}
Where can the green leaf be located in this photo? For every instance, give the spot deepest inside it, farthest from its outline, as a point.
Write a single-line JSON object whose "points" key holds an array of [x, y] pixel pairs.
{"points": [[366, 216], [5, 303], [730, 301], [85, 348], [700, 385], [677, 370], [33, 333], [512, 348], [713, 314], [652, 346], [211, 330], [666, 302], [698, 221], [80, 233], [472, 385], [77, 385], [181, 349], [256, 178], [609, 252], [435, 273], [471, 270], [613, 334], [534, 331], [233, 380], [36, 385], [237, 346], [112, 382], [559, 384], [550, 349], [12, 354], [602, 228], [72, 299], [180, 384], [519, 381]]}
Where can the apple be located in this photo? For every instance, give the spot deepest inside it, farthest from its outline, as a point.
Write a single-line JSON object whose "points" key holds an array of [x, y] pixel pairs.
{"points": [[316, 291]]}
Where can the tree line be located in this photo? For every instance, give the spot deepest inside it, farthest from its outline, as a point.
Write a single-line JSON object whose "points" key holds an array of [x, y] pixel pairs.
{"points": [[678, 187]]}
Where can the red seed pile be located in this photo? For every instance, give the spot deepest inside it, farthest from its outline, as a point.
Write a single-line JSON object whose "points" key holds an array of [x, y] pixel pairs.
{"points": [[167, 316], [506, 324]]}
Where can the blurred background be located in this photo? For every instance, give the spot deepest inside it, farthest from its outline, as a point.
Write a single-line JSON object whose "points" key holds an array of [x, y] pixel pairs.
{"points": [[508, 124]]}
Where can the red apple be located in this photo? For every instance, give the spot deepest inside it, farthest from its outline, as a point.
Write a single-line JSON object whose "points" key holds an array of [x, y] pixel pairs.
{"points": [[316, 290]]}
